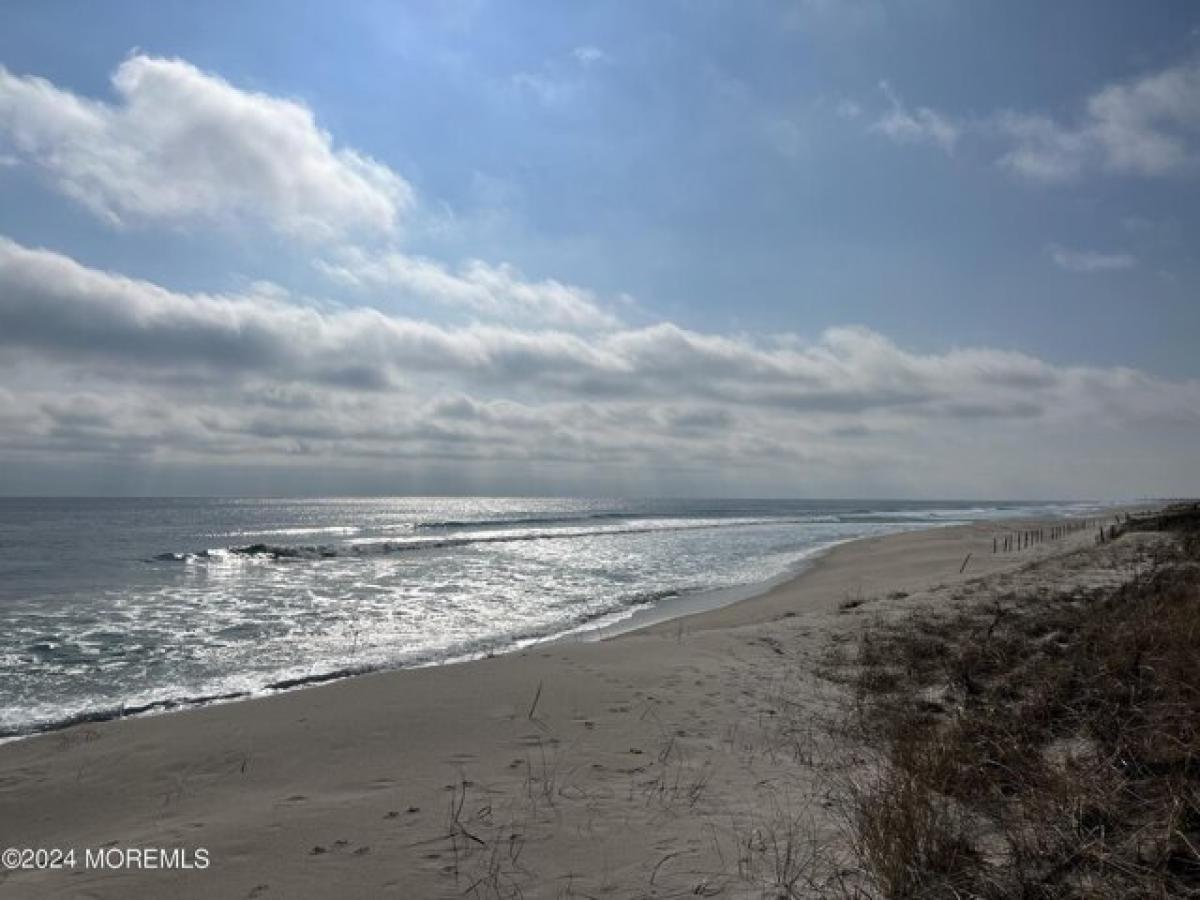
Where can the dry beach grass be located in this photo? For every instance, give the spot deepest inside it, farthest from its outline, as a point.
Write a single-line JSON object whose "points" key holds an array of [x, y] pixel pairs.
{"points": [[1043, 742]]}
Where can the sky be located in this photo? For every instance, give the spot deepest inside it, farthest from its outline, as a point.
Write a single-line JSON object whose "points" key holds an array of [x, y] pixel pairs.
{"points": [[813, 248]]}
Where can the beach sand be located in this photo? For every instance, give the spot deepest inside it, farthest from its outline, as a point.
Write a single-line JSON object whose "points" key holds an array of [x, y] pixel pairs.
{"points": [[657, 763]]}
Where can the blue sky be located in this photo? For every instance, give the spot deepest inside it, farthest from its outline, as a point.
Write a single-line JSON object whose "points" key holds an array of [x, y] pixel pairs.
{"points": [[866, 223]]}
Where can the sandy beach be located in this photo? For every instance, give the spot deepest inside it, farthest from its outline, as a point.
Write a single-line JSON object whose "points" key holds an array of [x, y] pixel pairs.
{"points": [[632, 766]]}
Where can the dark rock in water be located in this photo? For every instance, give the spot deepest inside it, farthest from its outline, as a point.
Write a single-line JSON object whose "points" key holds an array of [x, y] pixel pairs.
{"points": [[267, 551], [254, 550], [275, 552]]}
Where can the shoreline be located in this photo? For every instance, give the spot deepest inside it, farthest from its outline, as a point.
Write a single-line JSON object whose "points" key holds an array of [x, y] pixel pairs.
{"points": [[676, 605], [353, 785], [672, 607], [686, 604]]}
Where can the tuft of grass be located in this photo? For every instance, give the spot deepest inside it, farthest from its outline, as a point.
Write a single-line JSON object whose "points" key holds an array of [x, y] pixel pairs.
{"points": [[782, 852], [914, 840]]}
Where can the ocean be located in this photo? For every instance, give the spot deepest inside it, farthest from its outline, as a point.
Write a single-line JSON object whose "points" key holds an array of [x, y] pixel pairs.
{"points": [[115, 606]]}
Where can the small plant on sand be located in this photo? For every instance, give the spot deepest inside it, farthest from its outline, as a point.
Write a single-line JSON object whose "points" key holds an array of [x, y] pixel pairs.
{"points": [[784, 853], [486, 853]]}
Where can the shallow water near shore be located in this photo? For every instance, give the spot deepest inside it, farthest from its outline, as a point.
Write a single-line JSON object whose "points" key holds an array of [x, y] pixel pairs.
{"points": [[109, 606]]}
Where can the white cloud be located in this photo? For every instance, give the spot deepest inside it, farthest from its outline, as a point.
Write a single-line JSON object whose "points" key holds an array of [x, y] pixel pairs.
{"points": [[1146, 126], [180, 144], [1091, 260], [590, 55], [556, 83], [548, 89], [848, 109], [1041, 149], [919, 126], [494, 292]]}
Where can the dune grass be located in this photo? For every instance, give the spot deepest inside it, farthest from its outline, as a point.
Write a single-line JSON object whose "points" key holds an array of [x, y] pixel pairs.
{"points": [[1042, 745]]}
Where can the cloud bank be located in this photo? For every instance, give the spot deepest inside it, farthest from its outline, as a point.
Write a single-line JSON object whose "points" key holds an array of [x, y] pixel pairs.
{"points": [[113, 365]]}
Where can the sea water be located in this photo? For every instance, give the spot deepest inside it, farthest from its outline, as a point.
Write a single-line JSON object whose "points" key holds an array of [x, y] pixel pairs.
{"points": [[109, 606]]}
